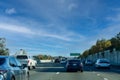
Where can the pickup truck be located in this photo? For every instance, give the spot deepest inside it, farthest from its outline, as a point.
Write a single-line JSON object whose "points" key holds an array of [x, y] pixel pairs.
{"points": [[27, 61]]}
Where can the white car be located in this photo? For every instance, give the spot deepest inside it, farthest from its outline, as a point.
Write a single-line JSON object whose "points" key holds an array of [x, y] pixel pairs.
{"points": [[27, 61], [102, 63]]}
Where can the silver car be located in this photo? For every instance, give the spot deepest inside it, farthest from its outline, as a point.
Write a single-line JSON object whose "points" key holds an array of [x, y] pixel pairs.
{"points": [[102, 63], [11, 69]]}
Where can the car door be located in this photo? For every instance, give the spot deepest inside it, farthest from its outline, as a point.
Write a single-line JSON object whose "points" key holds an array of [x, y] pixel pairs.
{"points": [[15, 69], [23, 71]]}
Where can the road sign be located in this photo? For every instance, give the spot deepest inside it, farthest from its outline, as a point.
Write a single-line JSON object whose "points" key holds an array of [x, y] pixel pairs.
{"points": [[74, 54]]}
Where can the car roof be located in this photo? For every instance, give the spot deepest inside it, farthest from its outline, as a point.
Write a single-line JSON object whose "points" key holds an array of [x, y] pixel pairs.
{"points": [[6, 56], [74, 60], [102, 59]]}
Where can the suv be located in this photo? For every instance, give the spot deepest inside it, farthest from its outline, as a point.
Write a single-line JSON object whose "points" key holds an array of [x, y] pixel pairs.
{"points": [[75, 65], [11, 69], [27, 61]]}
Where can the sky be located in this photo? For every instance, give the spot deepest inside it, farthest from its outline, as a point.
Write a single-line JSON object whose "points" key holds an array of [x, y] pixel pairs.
{"points": [[57, 27]]}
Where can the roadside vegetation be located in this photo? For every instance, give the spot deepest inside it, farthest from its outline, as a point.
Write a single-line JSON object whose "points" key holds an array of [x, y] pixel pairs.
{"points": [[3, 49], [102, 45]]}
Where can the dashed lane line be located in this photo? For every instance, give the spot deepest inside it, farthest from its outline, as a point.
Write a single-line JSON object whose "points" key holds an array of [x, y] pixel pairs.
{"points": [[58, 73]]}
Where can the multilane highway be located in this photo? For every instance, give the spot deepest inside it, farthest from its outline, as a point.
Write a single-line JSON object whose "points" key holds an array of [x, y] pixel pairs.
{"points": [[56, 71]]}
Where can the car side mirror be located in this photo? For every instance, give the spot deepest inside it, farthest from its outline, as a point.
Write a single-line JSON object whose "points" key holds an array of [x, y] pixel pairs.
{"points": [[13, 65], [23, 66]]}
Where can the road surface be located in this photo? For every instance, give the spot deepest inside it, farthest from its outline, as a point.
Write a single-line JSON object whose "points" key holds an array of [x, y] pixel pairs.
{"points": [[54, 71]]}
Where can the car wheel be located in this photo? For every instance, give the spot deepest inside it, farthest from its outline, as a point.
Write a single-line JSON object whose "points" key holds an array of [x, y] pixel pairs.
{"points": [[29, 68], [34, 67], [67, 70], [13, 78], [108, 67], [81, 70]]}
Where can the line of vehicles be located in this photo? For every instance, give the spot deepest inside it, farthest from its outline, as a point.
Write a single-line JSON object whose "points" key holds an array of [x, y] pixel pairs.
{"points": [[16, 67], [77, 64], [99, 63]]}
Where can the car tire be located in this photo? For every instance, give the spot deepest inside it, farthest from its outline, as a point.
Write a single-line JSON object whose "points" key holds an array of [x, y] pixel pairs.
{"points": [[67, 70], [12, 78], [29, 68], [81, 70], [33, 67], [108, 68]]}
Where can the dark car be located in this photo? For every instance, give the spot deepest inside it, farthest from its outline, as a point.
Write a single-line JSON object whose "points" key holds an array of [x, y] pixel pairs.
{"points": [[74, 65], [89, 62], [57, 60]]}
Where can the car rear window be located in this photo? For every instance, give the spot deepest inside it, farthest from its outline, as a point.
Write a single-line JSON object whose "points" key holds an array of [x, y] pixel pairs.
{"points": [[22, 57], [2, 61], [74, 61], [104, 61]]}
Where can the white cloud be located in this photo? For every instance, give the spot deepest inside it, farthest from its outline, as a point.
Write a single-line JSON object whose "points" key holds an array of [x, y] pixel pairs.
{"points": [[15, 28], [114, 18], [67, 36], [10, 11], [110, 31]]}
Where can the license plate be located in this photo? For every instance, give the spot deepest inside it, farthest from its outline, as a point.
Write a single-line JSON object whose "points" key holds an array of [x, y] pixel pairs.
{"points": [[74, 64]]}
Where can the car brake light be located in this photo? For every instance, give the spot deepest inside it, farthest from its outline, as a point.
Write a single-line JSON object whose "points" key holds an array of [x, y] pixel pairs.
{"points": [[28, 61]]}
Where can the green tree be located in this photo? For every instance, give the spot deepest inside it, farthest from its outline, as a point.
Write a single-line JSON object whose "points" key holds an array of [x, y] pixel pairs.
{"points": [[3, 49]]}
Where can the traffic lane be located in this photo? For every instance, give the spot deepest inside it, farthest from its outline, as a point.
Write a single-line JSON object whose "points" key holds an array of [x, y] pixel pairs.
{"points": [[50, 65], [65, 76], [86, 75], [108, 75], [59, 73], [50, 69], [92, 68]]}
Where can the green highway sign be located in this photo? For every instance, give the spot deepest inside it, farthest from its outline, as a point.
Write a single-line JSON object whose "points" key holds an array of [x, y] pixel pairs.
{"points": [[74, 54]]}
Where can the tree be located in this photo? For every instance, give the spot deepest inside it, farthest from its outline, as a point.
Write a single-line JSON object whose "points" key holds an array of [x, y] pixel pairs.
{"points": [[3, 49], [85, 53]]}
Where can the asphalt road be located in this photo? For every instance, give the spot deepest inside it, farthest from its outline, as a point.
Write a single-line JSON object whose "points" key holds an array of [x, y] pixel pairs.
{"points": [[52, 71]]}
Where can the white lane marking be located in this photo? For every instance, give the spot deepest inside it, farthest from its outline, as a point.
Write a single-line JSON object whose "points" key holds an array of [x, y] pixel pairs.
{"points": [[105, 79], [98, 74], [58, 73]]}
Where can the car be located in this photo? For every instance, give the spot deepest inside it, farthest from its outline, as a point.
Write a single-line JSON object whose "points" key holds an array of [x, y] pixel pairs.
{"points": [[27, 61], [88, 62], [74, 65], [11, 69], [1, 76], [57, 61], [63, 61], [102, 63]]}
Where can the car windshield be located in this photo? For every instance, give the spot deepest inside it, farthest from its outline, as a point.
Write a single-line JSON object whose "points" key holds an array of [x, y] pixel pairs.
{"points": [[22, 57], [2, 61], [74, 61]]}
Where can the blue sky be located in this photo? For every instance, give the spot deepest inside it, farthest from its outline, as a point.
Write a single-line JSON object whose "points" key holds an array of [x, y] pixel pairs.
{"points": [[57, 27]]}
